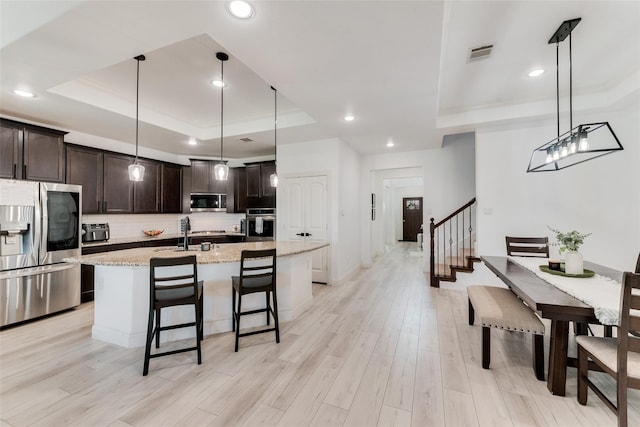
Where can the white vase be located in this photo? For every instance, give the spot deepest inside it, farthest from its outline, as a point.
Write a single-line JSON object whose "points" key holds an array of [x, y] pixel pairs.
{"points": [[573, 263]]}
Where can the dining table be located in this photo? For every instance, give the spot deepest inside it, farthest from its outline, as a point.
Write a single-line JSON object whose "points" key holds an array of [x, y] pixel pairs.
{"points": [[550, 302]]}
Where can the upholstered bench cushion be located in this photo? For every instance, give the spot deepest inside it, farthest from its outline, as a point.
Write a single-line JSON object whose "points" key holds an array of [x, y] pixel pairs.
{"points": [[606, 349], [500, 308]]}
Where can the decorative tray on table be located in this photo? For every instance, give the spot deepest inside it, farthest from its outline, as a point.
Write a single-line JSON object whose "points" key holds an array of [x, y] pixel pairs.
{"points": [[586, 273]]}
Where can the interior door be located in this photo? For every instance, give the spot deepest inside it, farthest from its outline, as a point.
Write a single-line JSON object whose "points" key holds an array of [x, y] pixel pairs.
{"points": [[306, 217], [411, 218]]}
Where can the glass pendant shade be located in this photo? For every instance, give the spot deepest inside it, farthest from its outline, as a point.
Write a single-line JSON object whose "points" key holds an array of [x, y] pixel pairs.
{"points": [[273, 179], [136, 172], [221, 171]]}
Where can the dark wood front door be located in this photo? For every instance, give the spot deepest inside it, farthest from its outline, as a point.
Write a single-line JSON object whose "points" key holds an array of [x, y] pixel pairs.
{"points": [[411, 218]]}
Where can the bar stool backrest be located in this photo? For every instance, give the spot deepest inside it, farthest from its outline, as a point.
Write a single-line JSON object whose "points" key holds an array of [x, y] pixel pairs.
{"points": [[258, 264], [170, 283]]}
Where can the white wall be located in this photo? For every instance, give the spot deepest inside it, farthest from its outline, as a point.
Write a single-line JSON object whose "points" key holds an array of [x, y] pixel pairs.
{"points": [[601, 196], [449, 182], [348, 256], [340, 163]]}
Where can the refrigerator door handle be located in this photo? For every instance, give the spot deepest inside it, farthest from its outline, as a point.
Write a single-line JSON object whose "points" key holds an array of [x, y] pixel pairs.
{"points": [[31, 271]]}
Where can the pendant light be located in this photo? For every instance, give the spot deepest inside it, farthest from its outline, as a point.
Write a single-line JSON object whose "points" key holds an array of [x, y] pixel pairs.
{"points": [[221, 170], [136, 170], [273, 178], [586, 141]]}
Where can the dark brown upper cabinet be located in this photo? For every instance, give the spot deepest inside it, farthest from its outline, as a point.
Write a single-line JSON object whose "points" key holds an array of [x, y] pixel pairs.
{"points": [[146, 193], [31, 152], [118, 190], [106, 188], [237, 190], [203, 179], [260, 194], [171, 188], [84, 167]]}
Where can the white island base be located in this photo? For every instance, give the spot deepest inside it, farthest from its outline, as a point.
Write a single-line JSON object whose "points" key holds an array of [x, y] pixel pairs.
{"points": [[121, 300]]}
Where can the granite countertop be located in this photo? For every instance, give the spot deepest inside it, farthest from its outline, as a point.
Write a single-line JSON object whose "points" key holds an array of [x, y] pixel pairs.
{"points": [[222, 253], [145, 238]]}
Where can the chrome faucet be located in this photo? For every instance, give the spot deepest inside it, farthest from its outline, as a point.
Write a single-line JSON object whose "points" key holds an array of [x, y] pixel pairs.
{"points": [[186, 227]]}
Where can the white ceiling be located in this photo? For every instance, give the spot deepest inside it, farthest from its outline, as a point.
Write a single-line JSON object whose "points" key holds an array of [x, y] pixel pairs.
{"points": [[399, 66]]}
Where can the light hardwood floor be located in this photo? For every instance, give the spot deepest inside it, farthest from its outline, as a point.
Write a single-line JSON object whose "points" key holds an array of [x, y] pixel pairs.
{"points": [[383, 349]]}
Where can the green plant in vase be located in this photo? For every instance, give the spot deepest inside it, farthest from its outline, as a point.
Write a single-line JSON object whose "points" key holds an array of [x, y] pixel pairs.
{"points": [[571, 242]]}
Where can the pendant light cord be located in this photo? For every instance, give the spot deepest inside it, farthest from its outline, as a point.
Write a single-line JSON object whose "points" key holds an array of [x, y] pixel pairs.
{"points": [[138, 59], [137, 102], [221, 107], [275, 117], [558, 88], [570, 87]]}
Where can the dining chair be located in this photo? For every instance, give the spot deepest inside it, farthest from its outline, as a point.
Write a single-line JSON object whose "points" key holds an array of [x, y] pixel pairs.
{"points": [[528, 246], [257, 274], [173, 282], [619, 357], [638, 265]]}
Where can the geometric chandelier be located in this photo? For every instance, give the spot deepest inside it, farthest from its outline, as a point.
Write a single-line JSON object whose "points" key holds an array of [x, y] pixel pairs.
{"points": [[581, 143]]}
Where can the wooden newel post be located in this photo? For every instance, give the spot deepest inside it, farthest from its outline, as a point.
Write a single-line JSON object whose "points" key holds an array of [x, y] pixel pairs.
{"points": [[432, 263]]}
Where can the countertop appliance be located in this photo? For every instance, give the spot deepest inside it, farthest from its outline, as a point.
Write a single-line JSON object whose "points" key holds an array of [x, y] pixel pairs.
{"points": [[208, 202], [260, 224], [95, 232], [39, 226]]}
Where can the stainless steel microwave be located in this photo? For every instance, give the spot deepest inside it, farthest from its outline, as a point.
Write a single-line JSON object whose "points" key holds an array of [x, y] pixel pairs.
{"points": [[208, 202]]}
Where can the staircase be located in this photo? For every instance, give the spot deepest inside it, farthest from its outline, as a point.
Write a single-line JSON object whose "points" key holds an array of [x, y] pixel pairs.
{"points": [[452, 244]]}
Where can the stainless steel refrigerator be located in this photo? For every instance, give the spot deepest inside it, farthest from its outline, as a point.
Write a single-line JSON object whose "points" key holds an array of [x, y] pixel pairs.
{"points": [[40, 224]]}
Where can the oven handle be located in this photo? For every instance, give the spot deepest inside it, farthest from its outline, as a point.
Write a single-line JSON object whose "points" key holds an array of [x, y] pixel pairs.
{"points": [[264, 217]]}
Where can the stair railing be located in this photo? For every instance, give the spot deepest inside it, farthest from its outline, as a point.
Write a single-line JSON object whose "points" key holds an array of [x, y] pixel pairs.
{"points": [[443, 233]]}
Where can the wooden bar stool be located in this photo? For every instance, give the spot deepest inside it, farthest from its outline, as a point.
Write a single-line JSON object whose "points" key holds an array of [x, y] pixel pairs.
{"points": [[170, 286], [257, 274]]}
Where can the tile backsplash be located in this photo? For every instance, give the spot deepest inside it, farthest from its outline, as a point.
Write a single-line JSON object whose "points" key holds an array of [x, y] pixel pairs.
{"points": [[122, 226]]}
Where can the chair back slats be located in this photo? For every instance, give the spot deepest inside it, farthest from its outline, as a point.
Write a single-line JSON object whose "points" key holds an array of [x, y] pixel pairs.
{"points": [[629, 318], [262, 264], [634, 323], [634, 344], [163, 276], [528, 246]]}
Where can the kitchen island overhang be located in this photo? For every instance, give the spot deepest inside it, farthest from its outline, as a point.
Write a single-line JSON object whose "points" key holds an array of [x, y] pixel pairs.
{"points": [[121, 295]]}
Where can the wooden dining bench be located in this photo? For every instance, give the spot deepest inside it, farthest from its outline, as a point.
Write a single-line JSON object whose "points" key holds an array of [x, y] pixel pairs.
{"points": [[500, 308]]}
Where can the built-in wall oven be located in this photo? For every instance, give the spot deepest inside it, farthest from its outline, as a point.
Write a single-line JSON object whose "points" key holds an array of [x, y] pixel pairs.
{"points": [[260, 224], [39, 226]]}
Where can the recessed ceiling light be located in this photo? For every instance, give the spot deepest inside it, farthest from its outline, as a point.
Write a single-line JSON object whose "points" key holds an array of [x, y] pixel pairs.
{"points": [[218, 83], [24, 93], [241, 9], [536, 73], [349, 118], [390, 144], [193, 141]]}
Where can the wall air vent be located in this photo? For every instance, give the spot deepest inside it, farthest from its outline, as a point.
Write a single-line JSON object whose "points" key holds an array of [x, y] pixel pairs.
{"points": [[480, 52], [244, 139]]}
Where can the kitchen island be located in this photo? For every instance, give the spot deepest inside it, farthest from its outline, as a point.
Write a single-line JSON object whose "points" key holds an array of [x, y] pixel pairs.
{"points": [[122, 289]]}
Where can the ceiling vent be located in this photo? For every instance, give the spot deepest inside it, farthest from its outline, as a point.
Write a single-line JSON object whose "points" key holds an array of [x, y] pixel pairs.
{"points": [[244, 139], [480, 52]]}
